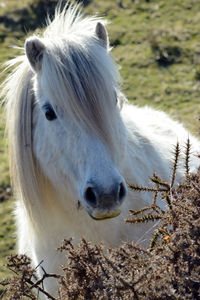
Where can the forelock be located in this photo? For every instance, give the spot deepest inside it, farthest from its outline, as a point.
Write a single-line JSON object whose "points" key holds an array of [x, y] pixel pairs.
{"points": [[82, 79]]}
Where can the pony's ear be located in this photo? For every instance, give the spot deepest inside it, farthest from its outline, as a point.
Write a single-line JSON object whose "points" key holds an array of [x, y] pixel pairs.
{"points": [[34, 51], [102, 34]]}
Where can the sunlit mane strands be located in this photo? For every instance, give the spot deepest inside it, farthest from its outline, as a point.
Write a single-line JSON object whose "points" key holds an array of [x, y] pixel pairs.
{"points": [[69, 21]]}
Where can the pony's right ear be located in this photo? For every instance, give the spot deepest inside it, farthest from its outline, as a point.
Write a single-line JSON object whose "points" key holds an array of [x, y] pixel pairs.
{"points": [[34, 51]]}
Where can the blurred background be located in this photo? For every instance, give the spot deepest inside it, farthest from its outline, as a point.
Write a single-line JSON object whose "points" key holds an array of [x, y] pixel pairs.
{"points": [[155, 43]]}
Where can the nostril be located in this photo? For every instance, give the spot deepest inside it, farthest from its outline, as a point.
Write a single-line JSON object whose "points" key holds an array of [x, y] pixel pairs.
{"points": [[122, 192], [90, 196]]}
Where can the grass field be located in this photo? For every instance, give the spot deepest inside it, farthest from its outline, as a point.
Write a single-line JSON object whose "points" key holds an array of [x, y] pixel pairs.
{"points": [[157, 45]]}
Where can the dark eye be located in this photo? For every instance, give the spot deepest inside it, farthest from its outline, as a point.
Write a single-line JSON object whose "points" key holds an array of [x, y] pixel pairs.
{"points": [[49, 112]]}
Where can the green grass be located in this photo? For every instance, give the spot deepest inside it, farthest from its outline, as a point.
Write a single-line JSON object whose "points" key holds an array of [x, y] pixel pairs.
{"points": [[157, 45], [7, 235]]}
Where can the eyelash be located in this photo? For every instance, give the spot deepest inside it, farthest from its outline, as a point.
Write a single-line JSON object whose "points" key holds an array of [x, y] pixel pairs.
{"points": [[49, 112], [116, 98]]}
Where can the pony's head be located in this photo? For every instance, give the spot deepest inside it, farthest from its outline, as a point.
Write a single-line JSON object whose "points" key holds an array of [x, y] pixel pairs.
{"points": [[77, 132]]}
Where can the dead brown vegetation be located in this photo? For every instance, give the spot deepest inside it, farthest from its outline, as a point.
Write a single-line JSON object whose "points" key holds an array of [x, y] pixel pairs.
{"points": [[168, 269]]}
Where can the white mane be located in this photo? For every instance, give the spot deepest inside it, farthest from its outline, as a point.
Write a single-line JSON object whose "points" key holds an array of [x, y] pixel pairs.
{"points": [[74, 58], [70, 64], [70, 21]]}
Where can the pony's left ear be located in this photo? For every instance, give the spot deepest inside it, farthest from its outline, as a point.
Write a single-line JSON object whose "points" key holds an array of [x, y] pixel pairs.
{"points": [[34, 49], [102, 34]]}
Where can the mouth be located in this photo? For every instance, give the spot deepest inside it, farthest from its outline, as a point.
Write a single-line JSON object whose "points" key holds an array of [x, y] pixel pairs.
{"points": [[103, 216]]}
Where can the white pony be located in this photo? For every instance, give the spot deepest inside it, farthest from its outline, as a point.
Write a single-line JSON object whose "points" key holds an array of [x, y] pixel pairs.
{"points": [[72, 150]]}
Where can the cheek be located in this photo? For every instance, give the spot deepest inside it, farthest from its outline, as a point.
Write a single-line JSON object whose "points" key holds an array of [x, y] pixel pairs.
{"points": [[120, 136], [58, 152]]}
